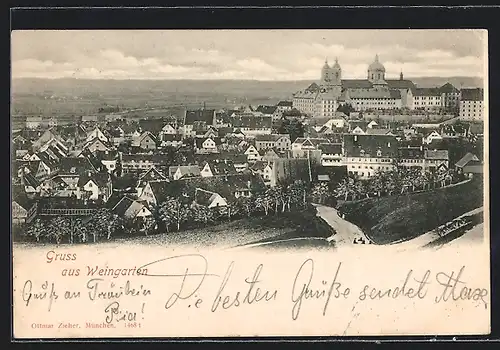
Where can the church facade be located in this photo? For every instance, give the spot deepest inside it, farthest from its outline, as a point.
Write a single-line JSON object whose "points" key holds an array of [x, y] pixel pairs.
{"points": [[375, 92]]}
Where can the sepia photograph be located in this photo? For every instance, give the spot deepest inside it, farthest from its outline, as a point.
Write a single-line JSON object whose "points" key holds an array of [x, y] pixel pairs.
{"points": [[243, 142]]}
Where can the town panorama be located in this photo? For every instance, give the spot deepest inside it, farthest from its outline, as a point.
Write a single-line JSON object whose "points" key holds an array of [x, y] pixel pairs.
{"points": [[339, 162]]}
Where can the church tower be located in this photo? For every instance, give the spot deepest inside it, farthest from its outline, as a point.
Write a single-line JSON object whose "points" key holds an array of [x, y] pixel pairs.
{"points": [[325, 74], [336, 73], [336, 78]]}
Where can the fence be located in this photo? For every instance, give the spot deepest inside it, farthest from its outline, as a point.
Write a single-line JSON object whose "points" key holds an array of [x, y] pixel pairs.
{"points": [[67, 212]]}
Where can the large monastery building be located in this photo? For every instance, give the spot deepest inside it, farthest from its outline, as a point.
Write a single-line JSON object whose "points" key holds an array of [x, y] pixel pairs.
{"points": [[373, 93]]}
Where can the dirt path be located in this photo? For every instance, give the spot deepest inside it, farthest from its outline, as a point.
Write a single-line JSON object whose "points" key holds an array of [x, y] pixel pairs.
{"points": [[347, 232], [431, 236]]}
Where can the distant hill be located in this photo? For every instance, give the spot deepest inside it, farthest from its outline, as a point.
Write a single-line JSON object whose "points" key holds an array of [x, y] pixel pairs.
{"points": [[231, 87], [465, 82], [82, 96]]}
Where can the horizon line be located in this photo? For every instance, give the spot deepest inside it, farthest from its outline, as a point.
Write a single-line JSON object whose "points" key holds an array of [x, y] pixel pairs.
{"points": [[241, 79]]}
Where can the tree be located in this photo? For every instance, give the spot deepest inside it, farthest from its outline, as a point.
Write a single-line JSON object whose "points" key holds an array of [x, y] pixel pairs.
{"points": [[37, 229], [294, 128], [245, 205], [321, 191], [378, 182], [298, 191], [346, 109], [59, 228], [264, 201], [360, 189], [345, 188], [173, 211], [202, 214], [104, 223]]}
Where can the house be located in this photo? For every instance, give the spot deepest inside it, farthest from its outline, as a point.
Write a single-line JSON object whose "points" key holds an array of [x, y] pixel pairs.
{"points": [[450, 96], [252, 153], [95, 186], [208, 144], [269, 111], [281, 142], [266, 170], [155, 192], [372, 124], [152, 174], [96, 164], [131, 130], [45, 165], [76, 165], [205, 117], [301, 146], [334, 123], [141, 162], [23, 209], [331, 154], [183, 171], [284, 106], [376, 131], [251, 125], [208, 132], [209, 199], [20, 145], [96, 144], [117, 135], [153, 126], [268, 154], [97, 133], [171, 140], [146, 141], [476, 129], [33, 122], [469, 165], [454, 130], [108, 159], [436, 159], [432, 136], [217, 167], [411, 157], [365, 154], [49, 137], [31, 185], [131, 209], [168, 129], [354, 124]]}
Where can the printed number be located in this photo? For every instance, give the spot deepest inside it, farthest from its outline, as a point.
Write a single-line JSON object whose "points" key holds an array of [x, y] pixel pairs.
{"points": [[131, 325]]}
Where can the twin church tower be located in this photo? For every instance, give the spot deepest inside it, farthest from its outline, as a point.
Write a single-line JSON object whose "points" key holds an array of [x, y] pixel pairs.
{"points": [[331, 76]]}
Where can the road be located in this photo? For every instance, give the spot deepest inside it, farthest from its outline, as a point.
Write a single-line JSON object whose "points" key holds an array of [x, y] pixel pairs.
{"points": [[431, 236], [347, 232]]}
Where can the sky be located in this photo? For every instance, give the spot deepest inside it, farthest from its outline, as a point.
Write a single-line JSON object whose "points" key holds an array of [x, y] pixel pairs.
{"points": [[244, 54]]}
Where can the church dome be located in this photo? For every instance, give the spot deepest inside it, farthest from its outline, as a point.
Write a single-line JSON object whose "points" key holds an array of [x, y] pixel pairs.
{"points": [[326, 66], [376, 65]]}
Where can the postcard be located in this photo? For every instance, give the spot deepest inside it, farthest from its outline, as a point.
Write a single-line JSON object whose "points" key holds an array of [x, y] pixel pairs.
{"points": [[249, 183]]}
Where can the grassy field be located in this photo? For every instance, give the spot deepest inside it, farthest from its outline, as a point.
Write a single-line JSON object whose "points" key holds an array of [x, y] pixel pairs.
{"points": [[400, 218], [235, 233]]}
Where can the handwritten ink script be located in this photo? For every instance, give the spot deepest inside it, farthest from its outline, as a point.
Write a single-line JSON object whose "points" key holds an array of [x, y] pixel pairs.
{"points": [[125, 294]]}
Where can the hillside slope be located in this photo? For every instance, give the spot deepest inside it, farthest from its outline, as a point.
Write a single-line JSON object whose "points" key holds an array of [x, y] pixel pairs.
{"points": [[400, 218]]}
